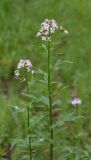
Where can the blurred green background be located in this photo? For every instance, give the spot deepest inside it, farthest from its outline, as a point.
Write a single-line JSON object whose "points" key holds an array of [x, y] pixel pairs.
{"points": [[19, 22]]}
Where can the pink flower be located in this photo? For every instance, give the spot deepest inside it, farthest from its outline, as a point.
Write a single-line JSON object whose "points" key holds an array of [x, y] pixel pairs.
{"points": [[47, 27], [23, 63], [76, 101]]}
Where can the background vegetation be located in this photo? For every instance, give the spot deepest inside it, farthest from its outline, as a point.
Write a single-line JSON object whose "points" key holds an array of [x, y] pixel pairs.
{"points": [[19, 22]]}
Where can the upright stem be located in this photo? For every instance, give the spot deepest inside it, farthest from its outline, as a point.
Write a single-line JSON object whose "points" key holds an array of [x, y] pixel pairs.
{"points": [[29, 139], [50, 103]]}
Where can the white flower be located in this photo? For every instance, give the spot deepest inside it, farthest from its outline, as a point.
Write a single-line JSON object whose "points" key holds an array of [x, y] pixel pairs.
{"points": [[66, 32], [38, 34], [76, 101], [47, 27], [61, 28], [17, 73], [54, 24], [46, 33], [43, 38], [28, 63], [23, 64]]}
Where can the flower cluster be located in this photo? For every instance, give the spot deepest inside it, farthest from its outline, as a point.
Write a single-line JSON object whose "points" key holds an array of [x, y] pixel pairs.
{"points": [[76, 101], [23, 64], [48, 27]]}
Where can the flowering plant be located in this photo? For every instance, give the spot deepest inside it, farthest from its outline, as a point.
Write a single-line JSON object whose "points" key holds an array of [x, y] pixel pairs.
{"points": [[24, 66], [48, 27], [53, 120]]}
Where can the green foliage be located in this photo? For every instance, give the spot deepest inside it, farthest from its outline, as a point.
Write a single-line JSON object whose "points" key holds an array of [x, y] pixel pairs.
{"points": [[19, 23]]}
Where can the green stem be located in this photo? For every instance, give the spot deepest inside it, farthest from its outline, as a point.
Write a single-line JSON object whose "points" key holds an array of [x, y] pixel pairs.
{"points": [[50, 103], [29, 139]]}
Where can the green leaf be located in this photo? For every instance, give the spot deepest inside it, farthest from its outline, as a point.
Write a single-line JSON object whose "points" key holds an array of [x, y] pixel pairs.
{"points": [[17, 109], [44, 46], [57, 103]]}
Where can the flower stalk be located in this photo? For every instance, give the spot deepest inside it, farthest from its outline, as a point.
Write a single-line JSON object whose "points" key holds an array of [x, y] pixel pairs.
{"points": [[24, 67], [50, 103], [48, 27], [29, 138]]}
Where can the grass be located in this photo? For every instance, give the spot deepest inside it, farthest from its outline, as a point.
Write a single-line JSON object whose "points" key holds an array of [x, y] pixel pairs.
{"points": [[19, 22]]}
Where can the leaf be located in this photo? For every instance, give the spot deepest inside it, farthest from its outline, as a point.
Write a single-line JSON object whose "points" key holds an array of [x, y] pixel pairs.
{"points": [[57, 102], [71, 117], [30, 96], [43, 81], [66, 118], [40, 71], [44, 46], [19, 142], [44, 99], [17, 109], [60, 62]]}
